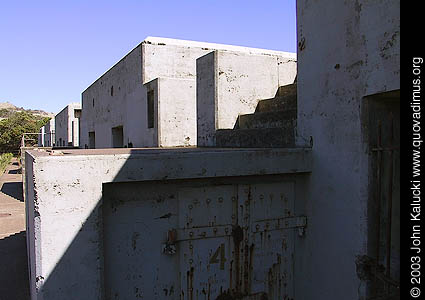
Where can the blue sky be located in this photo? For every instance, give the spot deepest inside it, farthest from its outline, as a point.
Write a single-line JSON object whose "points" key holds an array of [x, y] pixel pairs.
{"points": [[50, 51]]}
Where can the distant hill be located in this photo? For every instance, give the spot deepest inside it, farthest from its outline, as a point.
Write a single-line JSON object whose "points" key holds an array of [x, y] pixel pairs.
{"points": [[7, 109]]}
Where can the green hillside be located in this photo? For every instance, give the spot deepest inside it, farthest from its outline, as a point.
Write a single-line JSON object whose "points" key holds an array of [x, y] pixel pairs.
{"points": [[16, 121]]}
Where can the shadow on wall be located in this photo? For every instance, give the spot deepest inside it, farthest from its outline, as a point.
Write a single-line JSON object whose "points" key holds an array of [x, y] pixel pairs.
{"points": [[129, 227], [87, 249], [130, 274], [13, 268], [382, 130], [137, 243]]}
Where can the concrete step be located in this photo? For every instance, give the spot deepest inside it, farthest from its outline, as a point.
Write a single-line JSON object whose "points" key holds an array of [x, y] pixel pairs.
{"points": [[277, 104], [256, 138], [285, 99], [287, 90], [272, 119]]}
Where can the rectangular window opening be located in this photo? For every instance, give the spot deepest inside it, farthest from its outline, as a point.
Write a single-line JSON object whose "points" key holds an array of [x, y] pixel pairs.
{"points": [[151, 118]]}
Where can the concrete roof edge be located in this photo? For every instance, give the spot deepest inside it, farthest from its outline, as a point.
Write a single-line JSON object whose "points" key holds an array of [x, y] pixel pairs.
{"points": [[104, 73], [187, 43], [215, 46], [204, 163], [147, 153], [72, 104]]}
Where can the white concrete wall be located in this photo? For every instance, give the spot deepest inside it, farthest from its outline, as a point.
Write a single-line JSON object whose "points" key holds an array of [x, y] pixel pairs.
{"points": [[64, 126], [49, 129], [175, 97], [32, 226], [75, 137], [74, 124], [41, 136], [346, 50], [61, 125], [66, 190], [126, 107], [232, 83], [153, 58]]}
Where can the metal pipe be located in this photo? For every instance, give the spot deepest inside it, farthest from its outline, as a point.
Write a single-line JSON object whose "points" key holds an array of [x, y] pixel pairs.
{"points": [[390, 198], [378, 197]]}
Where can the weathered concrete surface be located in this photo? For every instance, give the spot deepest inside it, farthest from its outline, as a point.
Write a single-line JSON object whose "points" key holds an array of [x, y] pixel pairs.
{"points": [[230, 84], [22, 162], [67, 126], [204, 214], [346, 50], [175, 123], [49, 130], [14, 283], [47, 134], [273, 124], [119, 97], [67, 258], [40, 137], [268, 119], [285, 99], [257, 137]]}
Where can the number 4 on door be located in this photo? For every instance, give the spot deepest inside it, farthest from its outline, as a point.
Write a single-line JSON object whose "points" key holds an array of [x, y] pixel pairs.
{"points": [[214, 259]]}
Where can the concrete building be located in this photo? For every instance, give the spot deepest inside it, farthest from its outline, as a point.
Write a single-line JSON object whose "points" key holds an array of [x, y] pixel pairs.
{"points": [[157, 216], [148, 99], [40, 138], [67, 126], [49, 130], [231, 85], [349, 107], [296, 197], [47, 134]]}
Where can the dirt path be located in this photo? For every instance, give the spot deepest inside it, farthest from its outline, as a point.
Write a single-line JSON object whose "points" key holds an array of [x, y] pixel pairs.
{"points": [[13, 251], [12, 207]]}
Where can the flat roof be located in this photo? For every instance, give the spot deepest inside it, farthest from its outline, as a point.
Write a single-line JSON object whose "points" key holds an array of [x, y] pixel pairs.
{"points": [[214, 46], [75, 105], [161, 41]]}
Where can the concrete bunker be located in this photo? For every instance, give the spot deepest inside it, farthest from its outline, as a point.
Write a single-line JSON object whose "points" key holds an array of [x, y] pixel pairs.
{"points": [[117, 137], [67, 126], [333, 119], [168, 69], [189, 229], [175, 207]]}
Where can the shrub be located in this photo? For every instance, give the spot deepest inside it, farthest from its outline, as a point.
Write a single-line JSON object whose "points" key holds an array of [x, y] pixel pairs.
{"points": [[5, 159]]}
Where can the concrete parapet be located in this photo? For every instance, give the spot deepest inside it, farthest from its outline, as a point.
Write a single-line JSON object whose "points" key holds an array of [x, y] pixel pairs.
{"points": [[68, 257], [230, 84]]}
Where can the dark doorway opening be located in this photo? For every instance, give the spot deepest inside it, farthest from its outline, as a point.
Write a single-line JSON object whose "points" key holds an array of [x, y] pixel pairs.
{"points": [[117, 137]]}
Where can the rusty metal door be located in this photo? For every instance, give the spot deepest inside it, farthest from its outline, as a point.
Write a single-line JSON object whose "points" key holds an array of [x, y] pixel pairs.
{"points": [[135, 218], [207, 216], [237, 241], [268, 242], [192, 242]]}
